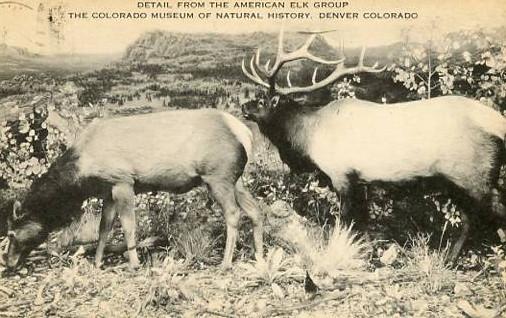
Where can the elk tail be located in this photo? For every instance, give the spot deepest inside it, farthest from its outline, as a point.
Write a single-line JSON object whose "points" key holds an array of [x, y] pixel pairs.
{"points": [[241, 132]]}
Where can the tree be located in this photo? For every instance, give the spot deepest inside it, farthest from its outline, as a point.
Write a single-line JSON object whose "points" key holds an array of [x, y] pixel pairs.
{"points": [[424, 67]]}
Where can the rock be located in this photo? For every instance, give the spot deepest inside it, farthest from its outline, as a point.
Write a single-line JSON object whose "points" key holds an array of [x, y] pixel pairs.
{"points": [[502, 235], [390, 255], [420, 305], [477, 310], [222, 283], [215, 305], [281, 209], [260, 305], [277, 291], [462, 290], [190, 314]]}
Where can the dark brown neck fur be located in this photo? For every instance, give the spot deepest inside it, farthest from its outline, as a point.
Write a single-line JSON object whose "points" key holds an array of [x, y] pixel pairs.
{"points": [[55, 199], [289, 130]]}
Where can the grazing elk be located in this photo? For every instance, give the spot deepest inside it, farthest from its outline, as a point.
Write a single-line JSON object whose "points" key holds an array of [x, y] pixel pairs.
{"points": [[116, 158], [455, 141]]}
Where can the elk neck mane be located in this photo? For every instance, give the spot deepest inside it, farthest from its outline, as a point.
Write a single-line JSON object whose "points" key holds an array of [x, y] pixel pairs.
{"points": [[56, 197], [287, 128]]}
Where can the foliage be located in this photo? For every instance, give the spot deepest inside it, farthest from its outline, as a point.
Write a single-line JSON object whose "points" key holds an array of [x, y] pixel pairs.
{"points": [[94, 85], [423, 68], [167, 286], [157, 207], [346, 87], [471, 63], [151, 70], [274, 268], [27, 148], [497, 262], [312, 200]]}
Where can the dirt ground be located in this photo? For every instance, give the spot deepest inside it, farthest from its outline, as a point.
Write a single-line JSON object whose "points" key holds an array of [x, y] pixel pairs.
{"points": [[171, 288]]}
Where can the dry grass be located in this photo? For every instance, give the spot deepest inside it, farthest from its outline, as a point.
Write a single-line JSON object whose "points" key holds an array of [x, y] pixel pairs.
{"points": [[167, 285], [341, 249], [197, 246], [432, 265], [172, 289], [344, 250], [85, 230]]}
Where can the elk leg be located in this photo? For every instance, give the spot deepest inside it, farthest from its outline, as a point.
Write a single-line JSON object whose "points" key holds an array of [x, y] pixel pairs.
{"points": [[124, 196], [360, 213], [353, 206], [346, 206], [249, 206], [498, 206], [457, 247], [341, 186], [106, 222], [225, 196]]}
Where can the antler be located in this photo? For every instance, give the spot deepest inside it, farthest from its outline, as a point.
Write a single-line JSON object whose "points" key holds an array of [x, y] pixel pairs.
{"points": [[283, 57]]}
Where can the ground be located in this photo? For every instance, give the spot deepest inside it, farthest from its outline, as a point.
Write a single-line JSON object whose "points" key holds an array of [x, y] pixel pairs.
{"points": [[172, 288], [354, 278]]}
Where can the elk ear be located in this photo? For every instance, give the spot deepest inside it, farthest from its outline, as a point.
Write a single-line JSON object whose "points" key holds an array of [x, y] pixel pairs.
{"points": [[275, 101], [15, 209]]}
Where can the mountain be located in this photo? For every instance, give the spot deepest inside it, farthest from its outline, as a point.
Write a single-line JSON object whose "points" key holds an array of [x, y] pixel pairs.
{"points": [[220, 55], [7, 51], [15, 60], [168, 45]]}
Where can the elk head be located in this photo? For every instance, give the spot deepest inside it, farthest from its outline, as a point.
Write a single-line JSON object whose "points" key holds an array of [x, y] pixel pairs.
{"points": [[277, 97], [24, 235]]}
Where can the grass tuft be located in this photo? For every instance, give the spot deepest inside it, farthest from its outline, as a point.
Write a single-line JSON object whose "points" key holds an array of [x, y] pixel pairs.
{"points": [[167, 286], [197, 247], [432, 265], [274, 268], [345, 250], [324, 253]]}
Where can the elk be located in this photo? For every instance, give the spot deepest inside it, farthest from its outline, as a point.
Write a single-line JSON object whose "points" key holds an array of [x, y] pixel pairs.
{"points": [[453, 142], [116, 158]]}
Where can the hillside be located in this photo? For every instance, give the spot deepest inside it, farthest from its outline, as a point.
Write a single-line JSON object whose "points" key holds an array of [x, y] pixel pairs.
{"points": [[16, 60], [203, 53], [7, 51]]}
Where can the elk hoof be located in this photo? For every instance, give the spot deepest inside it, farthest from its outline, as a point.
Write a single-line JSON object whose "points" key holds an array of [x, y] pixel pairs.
{"points": [[453, 259], [99, 264], [226, 267], [134, 266], [259, 257]]}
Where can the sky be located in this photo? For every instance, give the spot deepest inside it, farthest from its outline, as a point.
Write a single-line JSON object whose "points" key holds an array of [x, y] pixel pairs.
{"points": [[23, 25]]}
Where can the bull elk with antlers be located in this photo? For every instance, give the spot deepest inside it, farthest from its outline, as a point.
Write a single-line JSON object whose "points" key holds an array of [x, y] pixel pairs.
{"points": [[455, 141]]}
